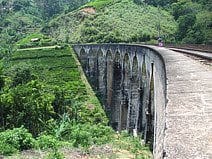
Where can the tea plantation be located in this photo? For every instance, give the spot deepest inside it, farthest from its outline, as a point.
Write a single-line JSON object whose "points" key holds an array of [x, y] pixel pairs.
{"points": [[47, 104]]}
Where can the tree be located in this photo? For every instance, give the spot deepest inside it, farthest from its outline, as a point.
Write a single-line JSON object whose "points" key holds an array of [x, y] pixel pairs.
{"points": [[7, 41], [186, 22], [159, 2], [201, 32], [20, 4], [49, 8], [27, 105], [184, 7], [21, 74], [138, 2], [1, 76]]}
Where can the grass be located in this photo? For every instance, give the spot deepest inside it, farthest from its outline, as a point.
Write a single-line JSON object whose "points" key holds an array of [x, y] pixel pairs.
{"points": [[52, 66], [121, 147], [39, 48], [40, 53], [42, 43], [28, 38], [97, 4]]}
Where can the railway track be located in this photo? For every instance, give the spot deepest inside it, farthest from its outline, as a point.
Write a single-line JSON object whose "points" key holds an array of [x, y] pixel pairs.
{"points": [[202, 56]]}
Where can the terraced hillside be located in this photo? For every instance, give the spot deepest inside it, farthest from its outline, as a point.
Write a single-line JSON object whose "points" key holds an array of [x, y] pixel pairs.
{"points": [[56, 67], [46, 92]]}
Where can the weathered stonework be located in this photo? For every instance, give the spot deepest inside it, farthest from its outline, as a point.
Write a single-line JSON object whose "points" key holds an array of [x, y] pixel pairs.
{"points": [[156, 93], [131, 82]]}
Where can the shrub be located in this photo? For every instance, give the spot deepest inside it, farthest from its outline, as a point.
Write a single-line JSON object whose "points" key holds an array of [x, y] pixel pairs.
{"points": [[27, 105], [47, 141], [54, 155], [21, 74], [7, 149], [85, 135], [1, 76], [17, 138]]}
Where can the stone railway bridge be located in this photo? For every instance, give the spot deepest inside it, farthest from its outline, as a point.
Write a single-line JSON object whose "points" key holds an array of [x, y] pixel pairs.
{"points": [[158, 94]]}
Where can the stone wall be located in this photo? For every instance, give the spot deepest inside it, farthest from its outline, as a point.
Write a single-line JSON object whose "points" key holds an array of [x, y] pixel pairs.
{"points": [[130, 80]]}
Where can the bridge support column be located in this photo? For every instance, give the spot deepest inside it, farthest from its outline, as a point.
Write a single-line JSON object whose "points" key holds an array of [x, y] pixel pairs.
{"points": [[134, 97], [149, 130]]}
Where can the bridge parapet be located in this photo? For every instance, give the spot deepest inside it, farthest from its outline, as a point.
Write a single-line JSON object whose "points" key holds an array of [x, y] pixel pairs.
{"points": [[132, 83]]}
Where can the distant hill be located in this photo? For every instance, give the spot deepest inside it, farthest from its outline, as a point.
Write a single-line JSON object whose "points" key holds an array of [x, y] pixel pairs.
{"points": [[112, 21], [98, 21], [22, 17]]}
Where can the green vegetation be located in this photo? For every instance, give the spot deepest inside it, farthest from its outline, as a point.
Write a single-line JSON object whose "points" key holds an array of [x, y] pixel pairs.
{"points": [[48, 75], [45, 101], [15, 140], [121, 21], [97, 4], [125, 141], [42, 86], [194, 22], [183, 21], [39, 40], [114, 21], [20, 18], [46, 104]]}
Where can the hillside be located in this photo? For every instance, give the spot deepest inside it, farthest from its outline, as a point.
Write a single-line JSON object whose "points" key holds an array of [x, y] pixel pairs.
{"points": [[20, 18], [116, 21], [48, 105], [183, 21]]}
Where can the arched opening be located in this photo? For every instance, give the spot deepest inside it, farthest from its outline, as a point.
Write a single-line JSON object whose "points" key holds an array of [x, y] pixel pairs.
{"points": [[101, 64], [92, 68], [149, 137], [143, 94], [116, 97], [83, 59], [109, 81], [134, 97], [125, 93]]}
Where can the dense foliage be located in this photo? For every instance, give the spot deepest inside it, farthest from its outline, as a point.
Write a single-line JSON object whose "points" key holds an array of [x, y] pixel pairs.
{"points": [[42, 91], [22, 17], [18, 17], [194, 22], [45, 83], [46, 105], [182, 21], [121, 21], [15, 140], [114, 21], [43, 99]]}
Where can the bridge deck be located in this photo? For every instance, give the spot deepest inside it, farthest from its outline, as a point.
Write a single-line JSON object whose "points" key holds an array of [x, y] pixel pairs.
{"points": [[207, 55], [189, 109]]}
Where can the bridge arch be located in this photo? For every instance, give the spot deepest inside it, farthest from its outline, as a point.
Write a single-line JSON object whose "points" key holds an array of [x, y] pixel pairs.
{"points": [[150, 111], [84, 59], [125, 92], [117, 93], [156, 66], [125, 76], [92, 67], [101, 80], [143, 97], [109, 81], [134, 96]]}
